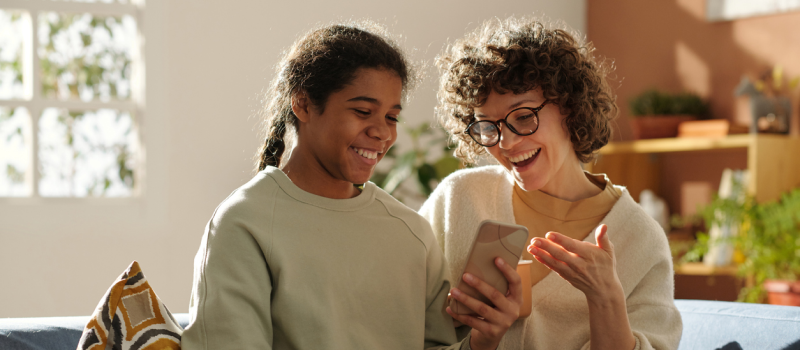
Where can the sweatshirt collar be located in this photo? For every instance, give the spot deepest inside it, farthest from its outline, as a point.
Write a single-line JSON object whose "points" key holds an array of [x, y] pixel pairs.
{"points": [[365, 198]]}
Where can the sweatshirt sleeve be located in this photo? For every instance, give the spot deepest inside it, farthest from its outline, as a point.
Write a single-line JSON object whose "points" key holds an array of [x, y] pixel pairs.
{"points": [[655, 320], [439, 330], [433, 210], [230, 302]]}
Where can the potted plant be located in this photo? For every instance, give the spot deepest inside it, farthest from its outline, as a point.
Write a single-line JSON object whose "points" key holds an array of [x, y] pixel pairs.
{"points": [[657, 114], [417, 163], [768, 242]]}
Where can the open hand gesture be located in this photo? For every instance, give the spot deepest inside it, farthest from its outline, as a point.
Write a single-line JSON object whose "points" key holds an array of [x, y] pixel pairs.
{"points": [[589, 268]]}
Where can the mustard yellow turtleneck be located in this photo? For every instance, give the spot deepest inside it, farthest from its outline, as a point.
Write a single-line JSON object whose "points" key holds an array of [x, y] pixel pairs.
{"points": [[542, 213]]}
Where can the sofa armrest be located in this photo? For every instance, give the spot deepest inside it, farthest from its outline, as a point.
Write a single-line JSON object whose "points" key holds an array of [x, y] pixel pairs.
{"points": [[714, 324]]}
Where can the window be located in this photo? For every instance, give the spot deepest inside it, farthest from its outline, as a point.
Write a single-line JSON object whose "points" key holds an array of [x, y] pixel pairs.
{"points": [[71, 87]]}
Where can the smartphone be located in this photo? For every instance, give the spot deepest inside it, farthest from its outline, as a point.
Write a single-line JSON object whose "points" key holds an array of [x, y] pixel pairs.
{"points": [[494, 240]]}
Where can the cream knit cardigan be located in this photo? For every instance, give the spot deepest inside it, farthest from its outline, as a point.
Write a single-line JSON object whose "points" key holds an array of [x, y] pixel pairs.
{"points": [[560, 316]]}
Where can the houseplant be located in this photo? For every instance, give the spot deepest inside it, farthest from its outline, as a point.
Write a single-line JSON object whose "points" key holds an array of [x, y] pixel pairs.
{"points": [[657, 114], [420, 163], [768, 242]]}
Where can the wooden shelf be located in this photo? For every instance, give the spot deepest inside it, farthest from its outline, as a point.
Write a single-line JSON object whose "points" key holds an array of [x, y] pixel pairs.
{"points": [[772, 161], [700, 269], [682, 144]]}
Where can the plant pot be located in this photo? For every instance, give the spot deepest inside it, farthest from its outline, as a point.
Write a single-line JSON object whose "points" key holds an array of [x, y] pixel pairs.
{"points": [[781, 292], [657, 126]]}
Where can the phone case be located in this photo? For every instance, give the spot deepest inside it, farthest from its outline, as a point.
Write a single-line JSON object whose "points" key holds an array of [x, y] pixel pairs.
{"points": [[494, 239]]}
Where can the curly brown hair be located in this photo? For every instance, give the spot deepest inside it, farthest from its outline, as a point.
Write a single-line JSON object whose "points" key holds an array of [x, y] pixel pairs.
{"points": [[518, 55]]}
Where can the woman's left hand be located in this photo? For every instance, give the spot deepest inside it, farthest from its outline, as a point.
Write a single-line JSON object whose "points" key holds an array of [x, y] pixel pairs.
{"points": [[589, 268]]}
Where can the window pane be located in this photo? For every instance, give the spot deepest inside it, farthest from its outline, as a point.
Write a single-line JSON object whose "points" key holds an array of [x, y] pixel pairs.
{"points": [[13, 30], [86, 57], [15, 152], [92, 153]]}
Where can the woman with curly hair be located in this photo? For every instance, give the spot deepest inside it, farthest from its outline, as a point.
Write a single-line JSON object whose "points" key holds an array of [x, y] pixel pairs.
{"points": [[538, 102]]}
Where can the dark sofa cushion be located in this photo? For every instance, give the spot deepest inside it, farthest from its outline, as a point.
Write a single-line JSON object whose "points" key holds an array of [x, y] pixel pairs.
{"points": [[49, 333]]}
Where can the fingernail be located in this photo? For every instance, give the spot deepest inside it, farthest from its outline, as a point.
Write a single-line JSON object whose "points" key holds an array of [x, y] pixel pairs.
{"points": [[455, 292], [537, 243], [550, 235], [500, 262], [533, 250], [468, 277]]}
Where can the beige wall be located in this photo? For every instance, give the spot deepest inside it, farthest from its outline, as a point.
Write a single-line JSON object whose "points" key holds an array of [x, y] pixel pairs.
{"points": [[206, 64]]}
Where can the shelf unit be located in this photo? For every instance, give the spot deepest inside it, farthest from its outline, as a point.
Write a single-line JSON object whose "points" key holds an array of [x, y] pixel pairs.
{"points": [[773, 161]]}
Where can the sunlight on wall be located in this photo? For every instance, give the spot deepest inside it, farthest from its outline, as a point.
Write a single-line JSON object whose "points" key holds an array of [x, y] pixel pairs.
{"points": [[696, 8], [693, 72], [771, 43]]}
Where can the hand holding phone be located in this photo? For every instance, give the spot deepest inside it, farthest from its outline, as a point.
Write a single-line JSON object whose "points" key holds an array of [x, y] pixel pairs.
{"points": [[499, 305], [493, 240]]}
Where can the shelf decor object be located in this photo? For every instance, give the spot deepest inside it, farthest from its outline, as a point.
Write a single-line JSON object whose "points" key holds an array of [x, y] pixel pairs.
{"points": [[658, 115], [770, 102], [709, 128]]}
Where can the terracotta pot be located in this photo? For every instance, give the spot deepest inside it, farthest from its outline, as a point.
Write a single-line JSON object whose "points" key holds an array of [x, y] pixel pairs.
{"points": [[781, 292], [657, 126]]}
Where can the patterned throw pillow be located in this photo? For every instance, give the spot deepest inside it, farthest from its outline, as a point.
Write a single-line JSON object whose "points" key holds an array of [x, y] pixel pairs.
{"points": [[131, 317]]}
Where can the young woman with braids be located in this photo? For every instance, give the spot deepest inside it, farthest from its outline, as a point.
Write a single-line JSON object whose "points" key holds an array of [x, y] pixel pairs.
{"points": [[304, 257], [536, 100]]}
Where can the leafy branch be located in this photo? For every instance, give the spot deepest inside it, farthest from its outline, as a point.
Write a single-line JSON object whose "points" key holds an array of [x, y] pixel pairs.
{"points": [[415, 162]]}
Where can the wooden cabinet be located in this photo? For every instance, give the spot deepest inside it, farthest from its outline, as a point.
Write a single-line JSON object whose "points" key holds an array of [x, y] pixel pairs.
{"points": [[698, 281]]}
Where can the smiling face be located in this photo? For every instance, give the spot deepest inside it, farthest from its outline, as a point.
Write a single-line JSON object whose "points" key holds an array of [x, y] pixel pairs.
{"points": [[342, 143], [543, 161]]}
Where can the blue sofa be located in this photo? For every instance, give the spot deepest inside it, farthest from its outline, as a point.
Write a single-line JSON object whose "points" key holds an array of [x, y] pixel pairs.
{"points": [[707, 325]]}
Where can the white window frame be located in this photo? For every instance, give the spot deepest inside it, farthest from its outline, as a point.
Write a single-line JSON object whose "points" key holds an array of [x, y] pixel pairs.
{"points": [[35, 103]]}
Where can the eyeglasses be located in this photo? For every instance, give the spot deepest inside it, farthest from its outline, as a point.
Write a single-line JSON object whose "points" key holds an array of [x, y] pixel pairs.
{"points": [[522, 121]]}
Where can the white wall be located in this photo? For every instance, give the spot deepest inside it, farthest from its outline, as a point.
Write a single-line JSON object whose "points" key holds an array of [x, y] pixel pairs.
{"points": [[206, 65]]}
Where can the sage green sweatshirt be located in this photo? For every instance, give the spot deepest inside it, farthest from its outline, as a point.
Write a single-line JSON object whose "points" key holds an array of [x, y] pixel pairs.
{"points": [[281, 268]]}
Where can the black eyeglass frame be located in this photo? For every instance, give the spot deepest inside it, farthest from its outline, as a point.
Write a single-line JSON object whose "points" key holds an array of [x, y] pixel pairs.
{"points": [[496, 124]]}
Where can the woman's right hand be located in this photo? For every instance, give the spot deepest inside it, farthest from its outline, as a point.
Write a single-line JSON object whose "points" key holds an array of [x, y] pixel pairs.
{"points": [[488, 330]]}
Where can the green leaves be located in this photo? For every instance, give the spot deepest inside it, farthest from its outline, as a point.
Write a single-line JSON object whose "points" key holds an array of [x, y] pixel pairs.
{"points": [[415, 162], [400, 171], [11, 48], [769, 238], [14, 175], [653, 102], [87, 153], [80, 56], [446, 165]]}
